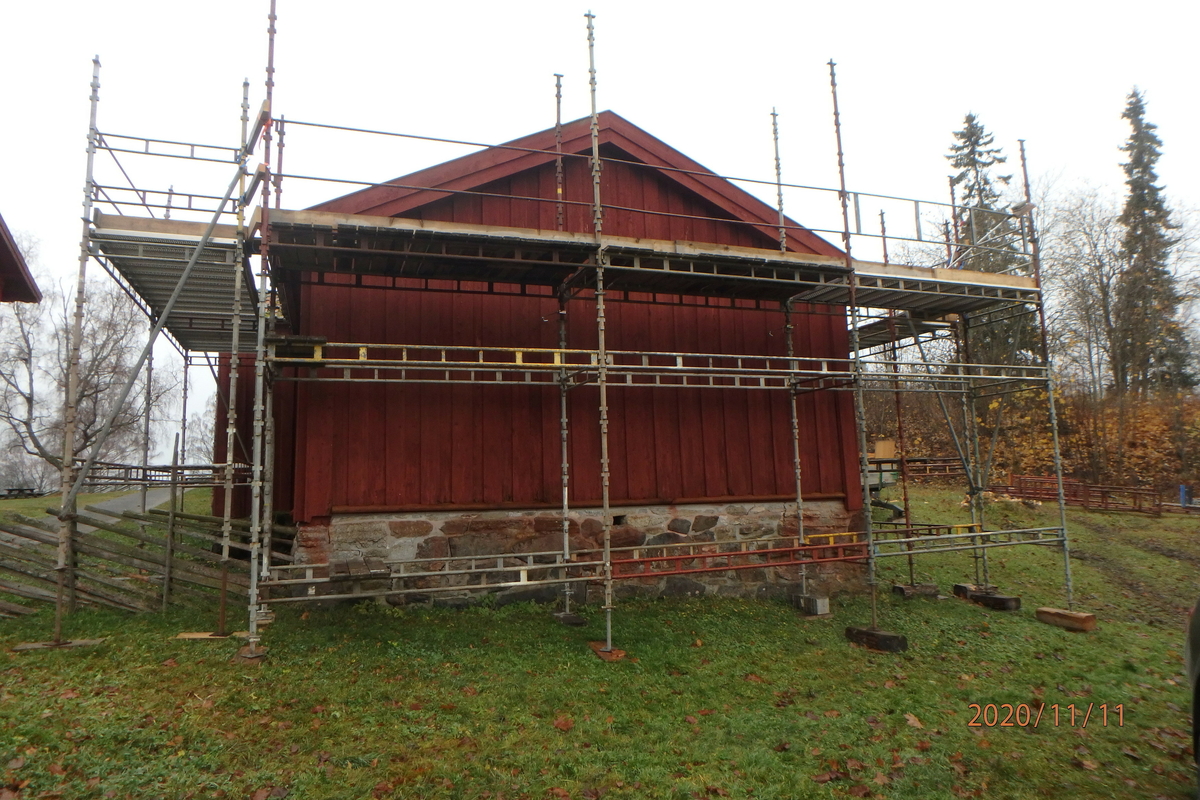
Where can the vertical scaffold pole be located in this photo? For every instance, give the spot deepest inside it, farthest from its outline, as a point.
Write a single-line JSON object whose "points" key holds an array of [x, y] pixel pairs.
{"points": [[797, 466], [268, 491], [778, 182], [971, 433], [264, 309], [169, 561], [1036, 263], [566, 463], [860, 415], [560, 224], [235, 362], [901, 441], [560, 220], [147, 402], [67, 529], [183, 414], [789, 337], [601, 348]]}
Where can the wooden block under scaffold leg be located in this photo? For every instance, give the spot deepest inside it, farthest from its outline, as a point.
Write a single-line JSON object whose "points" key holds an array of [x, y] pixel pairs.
{"points": [[570, 618], [21, 648], [249, 655], [606, 655], [987, 598], [909, 591], [1077, 621], [878, 640], [206, 635], [811, 605]]}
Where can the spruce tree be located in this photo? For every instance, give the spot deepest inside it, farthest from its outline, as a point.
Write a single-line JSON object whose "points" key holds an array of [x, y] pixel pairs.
{"points": [[1150, 348], [973, 155], [986, 241], [983, 231]]}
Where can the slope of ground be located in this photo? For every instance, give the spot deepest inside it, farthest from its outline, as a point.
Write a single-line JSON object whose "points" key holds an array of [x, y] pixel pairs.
{"points": [[720, 698]]}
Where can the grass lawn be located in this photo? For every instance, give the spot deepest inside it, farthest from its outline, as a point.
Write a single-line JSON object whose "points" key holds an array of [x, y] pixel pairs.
{"points": [[36, 506], [720, 698]]}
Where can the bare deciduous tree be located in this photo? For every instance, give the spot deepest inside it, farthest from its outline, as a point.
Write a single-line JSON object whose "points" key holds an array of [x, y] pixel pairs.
{"points": [[34, 344]]}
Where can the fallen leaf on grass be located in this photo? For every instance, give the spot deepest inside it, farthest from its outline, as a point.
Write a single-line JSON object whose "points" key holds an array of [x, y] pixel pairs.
{"points": [[832, 775], [69, 694], [750, 676], [854, 764], [716, 791], [881, 779], [690, 720], [564, 724], [170, 662], [782, 747], [558, 791], [833, 712], [470, 691], [1129, 751], [704, 712], [913, 721], [1083, 763], [862, 790], [17, 762], [698, 643], [56, 769], [924, 745]]}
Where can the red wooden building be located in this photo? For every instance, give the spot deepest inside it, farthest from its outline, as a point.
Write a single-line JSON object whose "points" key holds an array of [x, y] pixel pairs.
{"points": [[348, 449], [16, 282]]}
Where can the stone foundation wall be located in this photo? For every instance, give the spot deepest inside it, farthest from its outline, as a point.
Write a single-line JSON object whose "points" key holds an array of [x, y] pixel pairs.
{"points": [[456, 534]]}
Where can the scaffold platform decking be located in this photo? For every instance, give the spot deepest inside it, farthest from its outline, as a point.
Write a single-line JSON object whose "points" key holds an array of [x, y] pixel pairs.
{"points": [[150, 255], [319, 241]]}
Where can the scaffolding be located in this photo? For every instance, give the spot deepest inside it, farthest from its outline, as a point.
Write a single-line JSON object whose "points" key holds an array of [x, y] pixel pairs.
{"points": [[196, 283]]}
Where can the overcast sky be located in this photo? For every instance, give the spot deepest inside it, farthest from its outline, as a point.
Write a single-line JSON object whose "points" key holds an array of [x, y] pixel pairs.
{"points": [[701, 76]]}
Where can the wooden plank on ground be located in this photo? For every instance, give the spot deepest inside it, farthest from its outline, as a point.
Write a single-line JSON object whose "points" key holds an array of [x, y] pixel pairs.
{"points": [[878, 640], [1077, 621]]}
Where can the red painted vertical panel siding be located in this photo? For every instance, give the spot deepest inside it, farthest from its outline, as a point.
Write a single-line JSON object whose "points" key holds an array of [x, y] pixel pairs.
{"points": [[369, 445]]}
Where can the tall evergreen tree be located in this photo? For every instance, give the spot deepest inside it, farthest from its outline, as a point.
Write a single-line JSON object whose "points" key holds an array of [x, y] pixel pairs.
{"points": [[1150, 348], [974, 156], [987, 241], [983, 232]]}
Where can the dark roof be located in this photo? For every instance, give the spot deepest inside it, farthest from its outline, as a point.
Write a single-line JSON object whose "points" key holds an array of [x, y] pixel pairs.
{"points": [[494, 163], [18, 284]]}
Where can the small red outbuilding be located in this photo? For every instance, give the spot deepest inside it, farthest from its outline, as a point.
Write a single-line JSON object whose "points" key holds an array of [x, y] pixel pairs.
{"points": [[347, 449]]}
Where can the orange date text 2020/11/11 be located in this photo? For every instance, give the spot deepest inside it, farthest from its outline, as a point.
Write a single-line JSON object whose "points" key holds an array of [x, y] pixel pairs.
{"points": [[1024, 715]]}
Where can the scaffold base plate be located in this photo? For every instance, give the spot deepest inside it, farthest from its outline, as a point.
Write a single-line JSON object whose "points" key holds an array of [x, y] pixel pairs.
{"points": [[21, 648], [882, 641], [570, 618], [606, 655], [1078, 621], [987, 598], [246, 655]]}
